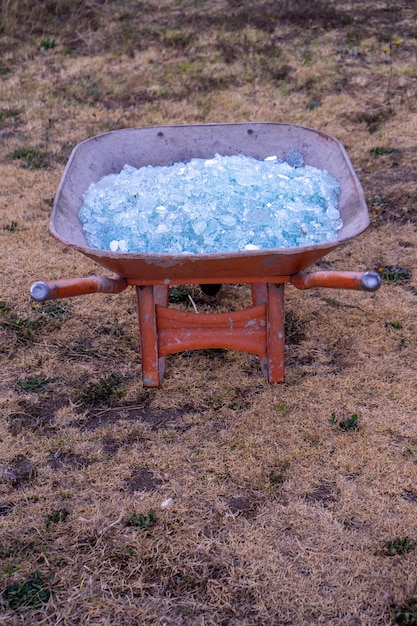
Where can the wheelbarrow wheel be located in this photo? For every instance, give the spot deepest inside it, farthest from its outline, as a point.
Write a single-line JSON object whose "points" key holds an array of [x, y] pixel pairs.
{"points": [[210, 290]]}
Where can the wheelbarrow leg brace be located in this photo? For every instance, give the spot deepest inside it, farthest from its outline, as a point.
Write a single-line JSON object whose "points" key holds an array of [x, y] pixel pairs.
{"points": [[258, 330]]}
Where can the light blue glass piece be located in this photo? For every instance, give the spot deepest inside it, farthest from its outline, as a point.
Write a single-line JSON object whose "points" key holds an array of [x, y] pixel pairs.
{"points": [[226, 203]]}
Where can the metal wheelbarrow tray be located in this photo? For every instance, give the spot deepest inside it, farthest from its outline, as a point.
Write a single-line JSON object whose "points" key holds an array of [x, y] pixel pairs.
{"points": [[163, 330]]}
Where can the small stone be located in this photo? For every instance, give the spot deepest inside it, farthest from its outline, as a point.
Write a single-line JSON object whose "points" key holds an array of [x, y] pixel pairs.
{"points": [[294, 158], [167, 504]]}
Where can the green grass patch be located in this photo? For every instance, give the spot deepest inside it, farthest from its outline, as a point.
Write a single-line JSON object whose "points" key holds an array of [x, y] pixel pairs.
{"points": [[394, 325], [177, 38], [36, 384], [394, 273], [399, 545], [332, 302], [48, 43], [112, 331], [179, 294], [26, 327], [9, 568], [405, 614], [8, 113], [30, 594], [23, 328], [103, 392], [31, 158], [11, 228], [56, 515], [350, 423], [383, 151], [53, 310], [144, 521]]}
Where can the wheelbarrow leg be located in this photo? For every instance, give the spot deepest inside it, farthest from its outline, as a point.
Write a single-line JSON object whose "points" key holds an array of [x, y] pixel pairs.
{"points": [[275, 333], [161, 295], [260, 296], [153, 366], [272, 360]]}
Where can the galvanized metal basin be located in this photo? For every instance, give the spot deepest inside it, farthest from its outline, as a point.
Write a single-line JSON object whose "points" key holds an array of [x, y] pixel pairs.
{"points": [[108, 153]]}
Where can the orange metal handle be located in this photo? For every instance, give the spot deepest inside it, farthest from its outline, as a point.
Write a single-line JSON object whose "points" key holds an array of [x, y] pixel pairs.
{"points": [[67, 288], [362, 281]]}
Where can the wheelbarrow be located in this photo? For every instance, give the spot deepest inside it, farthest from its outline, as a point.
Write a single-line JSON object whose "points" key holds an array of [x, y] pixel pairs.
{"points": [[165, 330]]}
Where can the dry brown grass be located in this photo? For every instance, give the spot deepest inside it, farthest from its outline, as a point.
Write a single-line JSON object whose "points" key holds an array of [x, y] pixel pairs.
{"points": [[279, 516]]}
